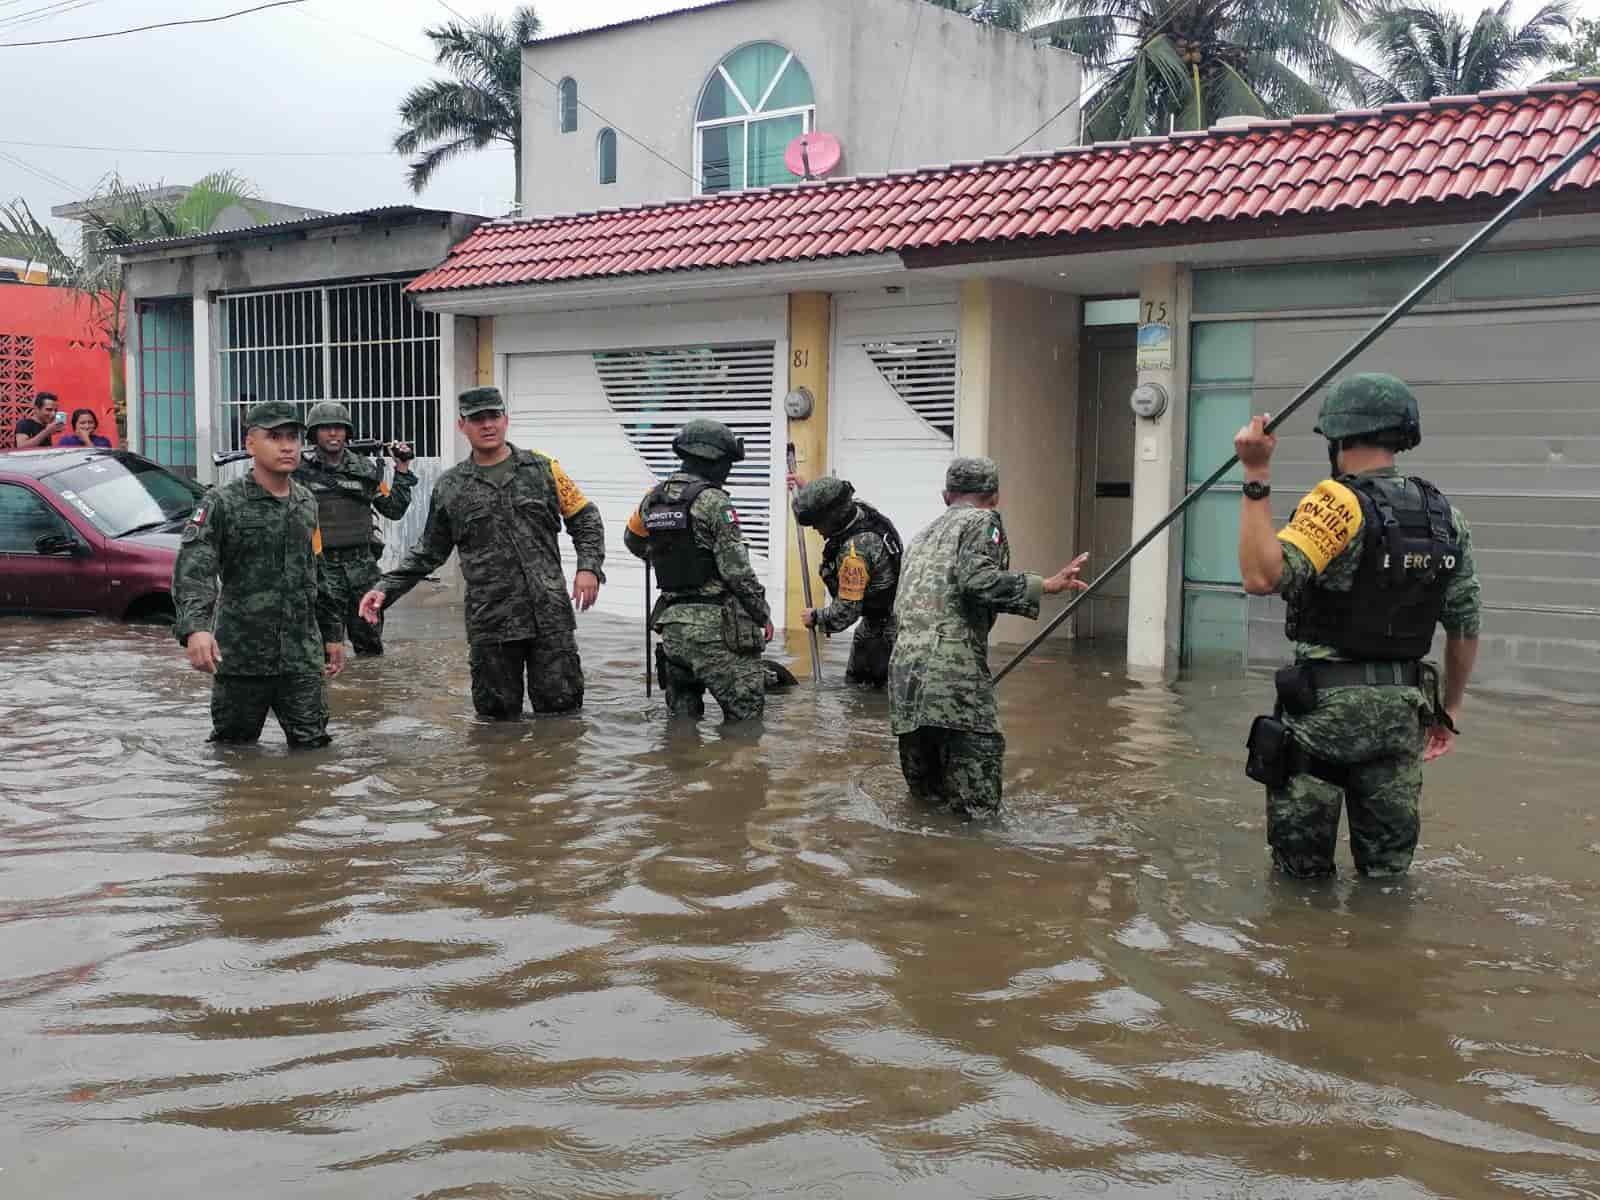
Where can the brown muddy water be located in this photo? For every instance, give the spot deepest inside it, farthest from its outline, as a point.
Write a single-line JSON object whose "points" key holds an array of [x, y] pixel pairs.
{"points": [[595, 957]]}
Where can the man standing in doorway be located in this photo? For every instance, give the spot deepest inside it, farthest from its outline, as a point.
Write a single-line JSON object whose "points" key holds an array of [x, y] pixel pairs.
{"points": [[349, 488], [502, 510], [953, 584], [712, 614], [1370, 563], [276, 629]]}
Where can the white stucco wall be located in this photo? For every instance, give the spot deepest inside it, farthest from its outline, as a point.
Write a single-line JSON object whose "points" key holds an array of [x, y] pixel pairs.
{"points": [[900, 82]]}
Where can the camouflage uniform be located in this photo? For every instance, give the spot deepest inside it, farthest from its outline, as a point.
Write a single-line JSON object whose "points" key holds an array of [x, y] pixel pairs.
{"points": [[519, 615], [355, 568], [954, 581], [712, 636], [1377, 732], [277, 609], [870, 568]]}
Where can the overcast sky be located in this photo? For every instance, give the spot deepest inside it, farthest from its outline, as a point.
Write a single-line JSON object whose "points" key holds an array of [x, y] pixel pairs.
{"points": [[247, 93]]}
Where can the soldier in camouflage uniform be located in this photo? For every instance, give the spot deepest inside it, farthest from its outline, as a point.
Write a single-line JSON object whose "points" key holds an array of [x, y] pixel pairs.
{"points": [[276, 629], [955, 580], [501, 510], [349, 488], [861, 570], [1370, 562], [712, 614]]}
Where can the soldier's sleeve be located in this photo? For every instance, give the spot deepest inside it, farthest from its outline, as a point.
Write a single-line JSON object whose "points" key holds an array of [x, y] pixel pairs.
{"points": [[984, 580], [1462, 614], [584, 524], [636, 537], [194, 574], [392, 499], [864, 571], [427, 555], [330, 603], [733, 557]]}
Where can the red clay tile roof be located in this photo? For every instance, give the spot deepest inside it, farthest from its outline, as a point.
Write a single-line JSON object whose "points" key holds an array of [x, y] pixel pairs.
{"points": [[1455, 149]]}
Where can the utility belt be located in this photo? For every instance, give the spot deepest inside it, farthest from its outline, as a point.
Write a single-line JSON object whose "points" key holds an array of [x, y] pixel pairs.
{"points": [[1273, 754], [741, 632]]}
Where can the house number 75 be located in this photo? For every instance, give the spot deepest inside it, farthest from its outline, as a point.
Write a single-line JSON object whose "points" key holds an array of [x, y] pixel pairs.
{"points": [[1154, 311]]}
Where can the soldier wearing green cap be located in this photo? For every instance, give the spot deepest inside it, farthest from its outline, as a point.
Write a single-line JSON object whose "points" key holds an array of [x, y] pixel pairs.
{"points": [[349, 488], [860, 567], [712, 614], [501, 511], [274, 628], [1370, 563], [955, 580]]}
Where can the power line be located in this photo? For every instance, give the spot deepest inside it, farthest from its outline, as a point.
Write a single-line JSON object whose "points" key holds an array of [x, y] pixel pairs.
{"points": [[91, 37], [33, 16], [66, 185], [202, 153]]}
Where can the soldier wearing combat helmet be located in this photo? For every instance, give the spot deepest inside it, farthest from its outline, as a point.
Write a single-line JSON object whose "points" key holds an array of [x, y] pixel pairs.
{"points": [[861, 570], [712, 614], [1370, 563], [349, 488]]}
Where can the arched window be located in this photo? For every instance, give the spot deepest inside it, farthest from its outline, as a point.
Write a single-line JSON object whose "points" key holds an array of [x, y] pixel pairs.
{"points": [[757, 101], [567, 104], [606, 153]]}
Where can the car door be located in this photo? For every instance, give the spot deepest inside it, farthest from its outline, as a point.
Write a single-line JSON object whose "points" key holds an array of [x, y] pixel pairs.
{"points": [[32, 581]]}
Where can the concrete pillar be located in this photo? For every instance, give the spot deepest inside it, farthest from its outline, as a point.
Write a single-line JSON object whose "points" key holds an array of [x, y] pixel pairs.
{"points": [[810, 341], [132, 380], [205, 366], [1155, 575], [975, 342], [485, 377]]}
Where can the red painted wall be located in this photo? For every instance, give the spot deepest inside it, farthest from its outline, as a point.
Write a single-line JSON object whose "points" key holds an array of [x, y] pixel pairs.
{"points": [[49, 343]]}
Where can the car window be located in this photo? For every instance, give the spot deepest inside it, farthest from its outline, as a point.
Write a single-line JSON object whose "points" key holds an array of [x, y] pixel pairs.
{"points": [[121, 493], [24, 518]]}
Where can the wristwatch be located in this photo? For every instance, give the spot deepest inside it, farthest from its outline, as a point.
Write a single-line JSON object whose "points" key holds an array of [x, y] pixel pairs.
{"points": [[1256, 490]]}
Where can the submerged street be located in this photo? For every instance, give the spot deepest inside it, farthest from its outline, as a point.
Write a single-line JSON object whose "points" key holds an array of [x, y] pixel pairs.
{"points": [[595, 956]]}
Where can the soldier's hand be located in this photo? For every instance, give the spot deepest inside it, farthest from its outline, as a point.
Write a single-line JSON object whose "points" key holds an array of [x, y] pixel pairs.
{"points": [[334, 652], [768, 631], [1066, 579], [808, 617], [1441, 740], [371, 609], [401, 453], [1253, 444], [792, 480], [202, 651], [585, 590]]}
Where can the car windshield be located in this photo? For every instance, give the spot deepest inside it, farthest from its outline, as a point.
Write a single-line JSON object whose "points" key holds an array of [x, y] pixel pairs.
{"points": [[122, 494]]}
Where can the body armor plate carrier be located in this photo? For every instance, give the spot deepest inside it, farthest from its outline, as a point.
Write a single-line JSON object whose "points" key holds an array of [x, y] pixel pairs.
{"points": [[680, 565], [870, 521], [1408, 557], [342, 507]]}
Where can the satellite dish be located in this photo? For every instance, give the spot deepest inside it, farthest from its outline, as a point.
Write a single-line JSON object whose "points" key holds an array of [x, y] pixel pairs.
{"points": [[812, 155]]}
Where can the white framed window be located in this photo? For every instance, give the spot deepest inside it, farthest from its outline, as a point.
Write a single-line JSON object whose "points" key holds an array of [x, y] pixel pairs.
{"points": [[567, 104], [605, 152], [757, 101]]}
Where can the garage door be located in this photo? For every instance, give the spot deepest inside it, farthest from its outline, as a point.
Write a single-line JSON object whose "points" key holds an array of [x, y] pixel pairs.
{"points": [[893, 406], [610, 416], [1511, 432]]}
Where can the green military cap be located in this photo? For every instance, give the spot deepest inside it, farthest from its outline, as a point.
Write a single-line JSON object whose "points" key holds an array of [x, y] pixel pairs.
{"points": [[270, 414], [1370, 403], [976, 476], [818, 498], [480, 399]]}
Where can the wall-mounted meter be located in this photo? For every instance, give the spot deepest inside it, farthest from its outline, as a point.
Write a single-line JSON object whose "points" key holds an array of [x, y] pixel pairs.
{"points": [[799, 403], [1149, 400]]}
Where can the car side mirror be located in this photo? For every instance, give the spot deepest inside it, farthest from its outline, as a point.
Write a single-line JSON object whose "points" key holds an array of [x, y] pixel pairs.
{"points": [[60, 543]]}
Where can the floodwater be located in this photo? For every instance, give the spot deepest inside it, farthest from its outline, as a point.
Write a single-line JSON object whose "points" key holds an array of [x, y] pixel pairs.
{"points": [[595, 957]]}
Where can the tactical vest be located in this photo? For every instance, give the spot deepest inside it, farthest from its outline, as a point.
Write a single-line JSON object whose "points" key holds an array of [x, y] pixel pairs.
{"points": [[342, 507], [680, 565], [870, 521], [1409, 554]]}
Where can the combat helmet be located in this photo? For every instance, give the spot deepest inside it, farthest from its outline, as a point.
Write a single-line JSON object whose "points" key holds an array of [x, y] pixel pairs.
{"points": [[709, 440], [329, 412], [1368, 404], [820, 499]]}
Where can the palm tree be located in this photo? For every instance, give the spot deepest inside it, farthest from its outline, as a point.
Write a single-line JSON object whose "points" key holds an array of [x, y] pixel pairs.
{"points": [[119, 214], [482, 105], [1183, 64], [1429, 51]]}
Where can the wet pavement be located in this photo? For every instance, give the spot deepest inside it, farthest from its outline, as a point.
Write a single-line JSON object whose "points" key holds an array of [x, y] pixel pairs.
{"points": [[594, 957]]}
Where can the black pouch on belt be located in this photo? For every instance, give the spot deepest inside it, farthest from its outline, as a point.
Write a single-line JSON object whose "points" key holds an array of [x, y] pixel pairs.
{"points": [[1271, 752], [1296, 686]]}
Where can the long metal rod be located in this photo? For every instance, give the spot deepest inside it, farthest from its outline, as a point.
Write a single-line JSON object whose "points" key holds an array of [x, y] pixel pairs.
{"points": [[1470, 247], [805, 579], [649, 646]]}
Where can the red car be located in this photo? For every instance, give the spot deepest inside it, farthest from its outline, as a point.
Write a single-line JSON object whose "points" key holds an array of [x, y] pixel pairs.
{"points": [[90, 531]]}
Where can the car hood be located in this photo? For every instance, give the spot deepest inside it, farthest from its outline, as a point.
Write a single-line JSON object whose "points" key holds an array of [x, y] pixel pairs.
{"points": [[156, 541]]}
